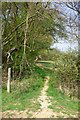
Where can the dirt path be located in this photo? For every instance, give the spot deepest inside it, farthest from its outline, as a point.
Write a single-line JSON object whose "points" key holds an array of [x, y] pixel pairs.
{"points": [[45, 112], [42, 66]]}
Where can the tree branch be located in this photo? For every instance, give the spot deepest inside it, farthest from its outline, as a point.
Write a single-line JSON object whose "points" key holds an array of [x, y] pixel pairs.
{"points": [[72, 8], [5, 43], [17, 28], [11, 50]]}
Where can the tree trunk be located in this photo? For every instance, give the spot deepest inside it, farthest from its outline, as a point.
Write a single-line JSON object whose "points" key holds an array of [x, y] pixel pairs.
{"points": [[25, 40]]}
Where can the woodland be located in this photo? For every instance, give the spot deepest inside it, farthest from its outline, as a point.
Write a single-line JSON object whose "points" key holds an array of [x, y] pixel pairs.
{"points": [[41, 77]]}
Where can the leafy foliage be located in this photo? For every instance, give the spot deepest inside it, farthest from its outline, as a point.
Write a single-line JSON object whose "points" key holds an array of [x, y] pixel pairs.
{"points": [[64, 73], [38, 32]]}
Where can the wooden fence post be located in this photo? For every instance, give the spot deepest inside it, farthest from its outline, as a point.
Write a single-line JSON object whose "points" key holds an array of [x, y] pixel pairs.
{"points": [[9, 77]]}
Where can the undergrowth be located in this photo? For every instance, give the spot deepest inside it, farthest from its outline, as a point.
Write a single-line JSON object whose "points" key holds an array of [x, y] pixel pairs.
{"points": [[62, 101], [23, 91]]}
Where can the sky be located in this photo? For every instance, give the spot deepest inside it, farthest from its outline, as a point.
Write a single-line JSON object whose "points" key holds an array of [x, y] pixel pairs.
{"points": [[64, 46]]}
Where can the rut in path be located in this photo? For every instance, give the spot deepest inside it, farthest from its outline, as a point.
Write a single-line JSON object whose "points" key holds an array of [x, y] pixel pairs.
{"points": [[43, 99]]}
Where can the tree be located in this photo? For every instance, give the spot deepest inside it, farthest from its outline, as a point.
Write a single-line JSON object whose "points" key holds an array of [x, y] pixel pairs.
{"points": [[44, 23]]}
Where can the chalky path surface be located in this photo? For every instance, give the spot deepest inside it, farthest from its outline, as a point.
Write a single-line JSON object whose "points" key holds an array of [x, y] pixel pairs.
{"points": [[45, 112]]}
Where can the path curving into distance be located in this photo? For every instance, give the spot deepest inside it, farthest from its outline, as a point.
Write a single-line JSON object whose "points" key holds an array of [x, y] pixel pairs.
{"points": [[44, 112]]}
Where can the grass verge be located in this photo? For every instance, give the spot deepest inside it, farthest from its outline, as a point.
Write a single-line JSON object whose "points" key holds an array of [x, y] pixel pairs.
{"points": [[22, 95], [60, 101]]}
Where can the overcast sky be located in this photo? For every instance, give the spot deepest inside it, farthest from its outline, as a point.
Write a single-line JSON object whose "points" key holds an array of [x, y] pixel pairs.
{"points": [[64, 46]]}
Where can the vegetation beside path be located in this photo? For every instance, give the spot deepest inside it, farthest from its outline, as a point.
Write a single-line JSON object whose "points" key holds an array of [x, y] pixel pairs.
{"points": [[24, 91], [21, 101], [26, 99], [60, 102]]}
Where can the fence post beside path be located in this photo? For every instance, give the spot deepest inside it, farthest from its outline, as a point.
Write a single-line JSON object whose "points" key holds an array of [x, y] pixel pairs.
{"points": [[9, 78]]}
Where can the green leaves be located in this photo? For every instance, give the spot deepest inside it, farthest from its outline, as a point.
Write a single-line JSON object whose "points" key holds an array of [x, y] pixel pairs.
{"points": [[43, 25]]}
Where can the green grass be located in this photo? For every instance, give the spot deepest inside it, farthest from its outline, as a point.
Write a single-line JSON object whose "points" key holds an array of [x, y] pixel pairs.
{"points": [[47, 64], [29, 115], [52, 116], [18, 99], [62, 100], [71, 107], [34, 90], [59, 116], [71, 117], [39, 71], [25, 100]]}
